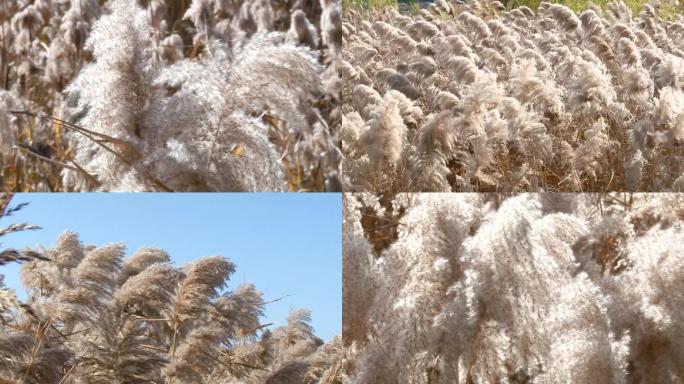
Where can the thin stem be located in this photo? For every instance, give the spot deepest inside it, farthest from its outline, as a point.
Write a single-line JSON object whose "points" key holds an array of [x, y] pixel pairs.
{"points": [[40, 335], [173, 343], [68, 373], [54, 162], [100, 139]]}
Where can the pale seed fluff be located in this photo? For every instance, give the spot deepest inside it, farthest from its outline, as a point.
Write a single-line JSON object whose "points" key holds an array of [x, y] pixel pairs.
{"points": [[542, 288], [521, 100], [384, 140]]}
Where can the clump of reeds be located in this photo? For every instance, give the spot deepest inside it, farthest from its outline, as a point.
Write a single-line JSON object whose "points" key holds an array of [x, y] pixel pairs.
{"points": [[202, 95], [536, 288], [94, 315], [513, 100]]}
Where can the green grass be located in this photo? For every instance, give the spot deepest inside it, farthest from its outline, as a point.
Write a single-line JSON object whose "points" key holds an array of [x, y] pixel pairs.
{"points": [[667, 11], [368, 4]]}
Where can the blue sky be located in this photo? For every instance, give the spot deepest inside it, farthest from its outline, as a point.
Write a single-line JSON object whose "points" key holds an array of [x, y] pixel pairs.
{"points": [[285, 244]]}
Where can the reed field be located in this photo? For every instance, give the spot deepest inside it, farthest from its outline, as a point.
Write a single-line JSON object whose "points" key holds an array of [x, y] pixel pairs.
{"points": [[475, 96], [525, 288], [99, 314], [153, 95]]}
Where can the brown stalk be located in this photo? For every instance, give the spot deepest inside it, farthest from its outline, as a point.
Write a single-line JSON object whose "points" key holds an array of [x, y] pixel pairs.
{"points": [[211, 356], [625, 203], [4, 203], [100, 139], [336, 372], [43, 158], [278, 299], [77, 332], [152, 347], [40, 335], [251, 331], [94, 180], [176, 322], [138, 318], [173, 342], [385, 226], [68, 373], [59, 163], [229, 357]]}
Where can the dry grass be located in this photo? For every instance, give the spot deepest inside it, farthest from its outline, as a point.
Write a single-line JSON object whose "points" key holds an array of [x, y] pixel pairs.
{"points": [[514, 288], [43, 48], [475, 97], [93, 315]]}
